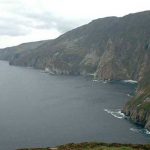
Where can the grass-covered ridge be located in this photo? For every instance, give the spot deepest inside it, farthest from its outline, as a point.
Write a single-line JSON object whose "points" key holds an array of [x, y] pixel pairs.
{"points": [[96, 146]]}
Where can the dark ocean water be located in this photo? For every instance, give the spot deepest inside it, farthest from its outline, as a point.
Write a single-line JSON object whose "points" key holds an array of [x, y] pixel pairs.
{"points": [[41, 110]]}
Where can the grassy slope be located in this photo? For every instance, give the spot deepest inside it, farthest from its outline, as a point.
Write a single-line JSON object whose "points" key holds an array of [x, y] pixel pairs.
{"points": [[138, 109], [97, 146], [139, 100]]}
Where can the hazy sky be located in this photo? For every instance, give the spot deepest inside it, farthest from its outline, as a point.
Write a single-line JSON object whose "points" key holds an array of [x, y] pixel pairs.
{"points": [[32, 20]]}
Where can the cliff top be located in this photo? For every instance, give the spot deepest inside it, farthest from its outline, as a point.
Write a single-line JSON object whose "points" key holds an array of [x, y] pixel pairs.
{"points": [[96, 146]]}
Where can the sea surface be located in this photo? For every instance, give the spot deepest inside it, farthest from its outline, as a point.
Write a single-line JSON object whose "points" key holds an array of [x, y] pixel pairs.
{"points": [[41, 110]]}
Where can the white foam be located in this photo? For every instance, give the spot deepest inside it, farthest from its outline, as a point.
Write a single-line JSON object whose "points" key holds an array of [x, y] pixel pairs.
{"points": [[115, 113], [145, 131], [129, 95], [105, 81], [130, 81], [46, 70], [95, 80], [135, 130]]}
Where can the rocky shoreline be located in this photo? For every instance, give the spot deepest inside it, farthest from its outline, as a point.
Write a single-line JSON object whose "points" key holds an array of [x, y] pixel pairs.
{"points": [[138, 108]]}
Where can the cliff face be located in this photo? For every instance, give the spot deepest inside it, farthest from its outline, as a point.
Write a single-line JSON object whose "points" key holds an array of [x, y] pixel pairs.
{"points": [[111, 48], [138, 108], [75, 52]]}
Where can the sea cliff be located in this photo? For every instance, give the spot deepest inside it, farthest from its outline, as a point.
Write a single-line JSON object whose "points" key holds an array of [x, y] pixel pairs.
{"points": [[111, 48]]}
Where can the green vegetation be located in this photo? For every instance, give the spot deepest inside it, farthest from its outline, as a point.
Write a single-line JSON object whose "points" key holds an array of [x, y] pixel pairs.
{"points": [[138, 108], [141, 100], [96, 146]]}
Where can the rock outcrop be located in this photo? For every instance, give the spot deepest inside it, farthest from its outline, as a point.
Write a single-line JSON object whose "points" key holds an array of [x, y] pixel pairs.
{"points": [[138, 108]]}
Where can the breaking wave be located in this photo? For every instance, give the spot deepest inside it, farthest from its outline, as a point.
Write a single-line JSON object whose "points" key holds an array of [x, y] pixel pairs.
{"points": [[115, 113], [118, 114], [129, 95], [147, 132], [130, 81], [137, 130], [95, 80]]}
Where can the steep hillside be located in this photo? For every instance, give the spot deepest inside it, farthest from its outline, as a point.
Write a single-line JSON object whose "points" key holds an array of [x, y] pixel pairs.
{"points": [[138, 108], [113, 48], [75, 52], [10, 52], [110, 48]]}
